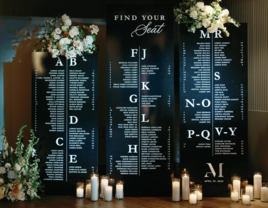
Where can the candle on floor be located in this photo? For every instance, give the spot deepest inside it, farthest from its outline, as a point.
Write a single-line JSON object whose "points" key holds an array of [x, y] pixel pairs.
{"points": [[249, 191], [108, 193], [199, 192], [245, 197], [175, 189], [185, 178], [236, 181], [103, 183], [119, 190], [234, 196], [192, 197], [264, 192], [79, 190], [88, 189], [257, 185], [94, 187]]}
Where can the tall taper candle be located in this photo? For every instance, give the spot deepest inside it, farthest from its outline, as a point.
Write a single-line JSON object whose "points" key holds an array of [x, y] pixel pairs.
{"points": [[185, 178], [257, 185]]}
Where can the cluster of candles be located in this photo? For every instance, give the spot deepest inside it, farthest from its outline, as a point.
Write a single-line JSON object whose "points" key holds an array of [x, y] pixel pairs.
{"points": [[247, 192], [91, 188], [190, 191]]}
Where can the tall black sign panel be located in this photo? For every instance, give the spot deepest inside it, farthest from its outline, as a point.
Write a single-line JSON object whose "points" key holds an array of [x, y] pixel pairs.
{"points": [[213, 106], [140, 97], [65, 119]]}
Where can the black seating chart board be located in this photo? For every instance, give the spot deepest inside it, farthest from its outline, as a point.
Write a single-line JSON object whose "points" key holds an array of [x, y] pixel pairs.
{"points": [[213, 106], [65, 119], [139, 130]]}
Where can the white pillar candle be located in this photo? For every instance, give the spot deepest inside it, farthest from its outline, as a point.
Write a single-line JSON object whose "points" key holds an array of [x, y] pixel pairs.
{"points": [[104, 183], [108, 193], [175, 191], [234, 196], [79, 192], [119, 191], [94, 188], [245, 199], [236, 187], [185, 187], [192, 199], [257, 186], [264, 194], [249, 191], [88, 190], [199, 195]]}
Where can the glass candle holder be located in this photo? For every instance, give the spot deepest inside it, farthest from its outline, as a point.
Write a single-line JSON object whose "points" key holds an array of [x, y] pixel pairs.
{"points": [[249, 191], [94, 187], [108, 191], [185, 184], [236, 183], [175, 189], [245, 197], [199, 192], [257, 184], [192, 197], [119, 190], [88, 189], [104, 181], [264, 192], [79, 189], [234, 195], [192, 184]]}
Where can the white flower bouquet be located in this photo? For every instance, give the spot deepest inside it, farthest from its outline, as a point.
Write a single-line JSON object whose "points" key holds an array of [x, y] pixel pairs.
{"points": [[196, 14], [19, 178], [60, 38]]}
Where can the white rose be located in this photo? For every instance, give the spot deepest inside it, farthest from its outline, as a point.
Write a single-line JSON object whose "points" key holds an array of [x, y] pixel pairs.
{"points": [[78, 44], [17, 166], [55, 53], [11, 175], [1, 181], [225, 12], [94, 29], [209, 10], [2, 170], [74, 31], [56, 36], [21, 196], [64, 28], [213, 28], [89, 39], [65, 16], [206, 23], [7, 165], [64, 41], [57, 31], [72, 54], [193, 14], [217, 7], [67, 22], [200, 5]]}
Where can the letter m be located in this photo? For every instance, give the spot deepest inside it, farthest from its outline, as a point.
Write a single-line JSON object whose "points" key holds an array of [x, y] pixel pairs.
{"points": [[203, 35]]}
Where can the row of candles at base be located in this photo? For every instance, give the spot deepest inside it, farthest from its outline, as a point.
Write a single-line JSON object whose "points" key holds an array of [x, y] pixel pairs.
{"points": [[246, 192], [91, 188], [190, 191]]}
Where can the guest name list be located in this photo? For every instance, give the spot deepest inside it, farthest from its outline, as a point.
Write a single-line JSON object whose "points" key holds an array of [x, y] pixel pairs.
{"points": [[140, 97], [65, 119], [213, 106]]}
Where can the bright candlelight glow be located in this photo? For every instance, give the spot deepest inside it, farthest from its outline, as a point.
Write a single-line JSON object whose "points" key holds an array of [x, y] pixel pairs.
{"points": [[264, 194], [88, 191], [199, 195], [104, 183], [236, 187], [94, 188], [234, 196], [245, 199], [79, 192], [175, 191], [249, 191], [192, 199], [108, 193], [119, 191]]}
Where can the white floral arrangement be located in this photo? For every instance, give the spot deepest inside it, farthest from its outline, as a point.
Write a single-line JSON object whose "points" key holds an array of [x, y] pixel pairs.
{"points": [[62, 39], [197, 14], [19, 179]]}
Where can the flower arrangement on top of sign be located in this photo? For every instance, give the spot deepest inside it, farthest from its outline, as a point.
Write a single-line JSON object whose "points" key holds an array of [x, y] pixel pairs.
{"points": [[62, 39], [196, 14], [19, 179]]}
